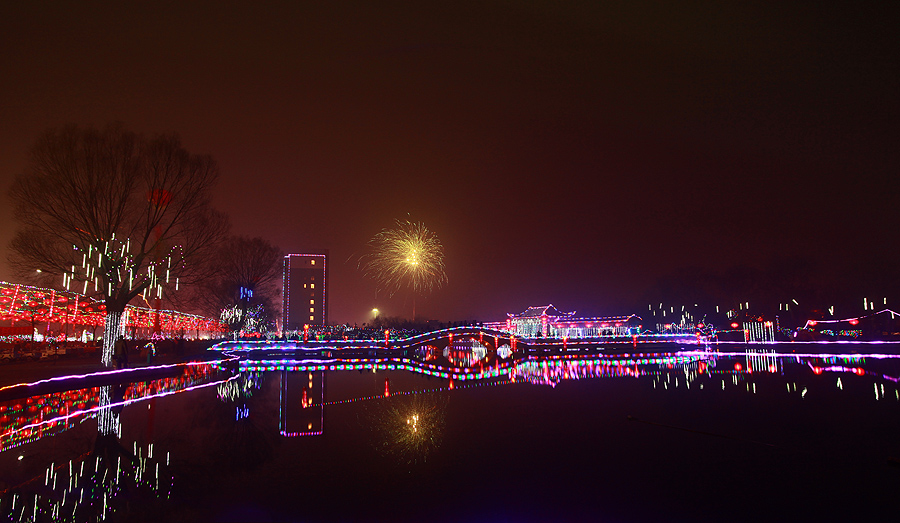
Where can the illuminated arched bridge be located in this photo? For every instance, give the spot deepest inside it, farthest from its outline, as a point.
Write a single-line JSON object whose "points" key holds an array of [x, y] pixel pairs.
{"points": [[489, 338]]}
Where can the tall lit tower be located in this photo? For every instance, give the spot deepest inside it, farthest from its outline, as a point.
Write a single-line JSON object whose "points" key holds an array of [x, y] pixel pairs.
{"points": [[305, 290]]}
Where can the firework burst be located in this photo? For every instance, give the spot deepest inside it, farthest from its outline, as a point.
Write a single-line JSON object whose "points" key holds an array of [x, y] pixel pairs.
{"points": [[408, 256]]}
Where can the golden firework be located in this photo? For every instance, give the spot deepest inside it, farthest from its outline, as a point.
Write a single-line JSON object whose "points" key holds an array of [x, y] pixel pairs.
{"points": [[408, 428], [408, 256]]}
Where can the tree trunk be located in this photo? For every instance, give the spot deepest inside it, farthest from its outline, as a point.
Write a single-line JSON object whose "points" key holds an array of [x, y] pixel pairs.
{"points": [[111, 333], [107, 418]]}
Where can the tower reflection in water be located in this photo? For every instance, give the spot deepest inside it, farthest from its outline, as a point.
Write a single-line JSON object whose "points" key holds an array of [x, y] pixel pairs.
{"points": [[302, 398]]}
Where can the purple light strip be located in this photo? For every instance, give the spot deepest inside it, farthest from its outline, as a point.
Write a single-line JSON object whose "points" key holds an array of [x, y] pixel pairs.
{"points": [[117, 371], [249, 362], [121, 403], [788, 355], [285, 282], [857, 318], [834, 368], [818, 342]]}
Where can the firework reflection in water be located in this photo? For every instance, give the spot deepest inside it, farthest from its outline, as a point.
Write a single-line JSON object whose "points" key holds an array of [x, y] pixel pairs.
{"points": [[408, 428]]}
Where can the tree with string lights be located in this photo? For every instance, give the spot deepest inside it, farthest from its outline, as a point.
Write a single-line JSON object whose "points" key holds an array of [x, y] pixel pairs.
{"points": [[245, 285], [116, 216]]}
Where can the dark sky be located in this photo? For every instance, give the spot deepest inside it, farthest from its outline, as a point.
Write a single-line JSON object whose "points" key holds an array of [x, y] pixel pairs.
{"points": [[565, 152]]}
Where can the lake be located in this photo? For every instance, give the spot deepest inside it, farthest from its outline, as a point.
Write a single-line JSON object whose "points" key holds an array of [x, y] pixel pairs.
{"points": [[467, 432]]}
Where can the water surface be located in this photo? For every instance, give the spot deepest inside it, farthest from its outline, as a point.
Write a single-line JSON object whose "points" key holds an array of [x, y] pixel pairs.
{"points": [[562, 435]]}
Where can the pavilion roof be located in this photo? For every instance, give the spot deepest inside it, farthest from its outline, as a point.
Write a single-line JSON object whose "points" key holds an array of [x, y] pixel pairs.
{"points": [[536, 312]]}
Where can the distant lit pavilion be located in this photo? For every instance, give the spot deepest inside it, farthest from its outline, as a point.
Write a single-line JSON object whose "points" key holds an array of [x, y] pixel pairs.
{"points": [[547, 321]]}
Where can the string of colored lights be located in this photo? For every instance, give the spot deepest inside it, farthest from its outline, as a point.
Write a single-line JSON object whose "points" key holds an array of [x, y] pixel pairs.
{"points": [[844, 333]]}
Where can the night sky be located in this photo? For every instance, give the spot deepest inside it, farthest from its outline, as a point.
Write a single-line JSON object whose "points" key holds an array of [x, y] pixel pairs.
{"points": [[564, 152]]}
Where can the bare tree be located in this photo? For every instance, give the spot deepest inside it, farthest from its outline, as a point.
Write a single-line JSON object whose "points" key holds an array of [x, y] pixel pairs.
{"points": [[115, 215], [246, 282]]}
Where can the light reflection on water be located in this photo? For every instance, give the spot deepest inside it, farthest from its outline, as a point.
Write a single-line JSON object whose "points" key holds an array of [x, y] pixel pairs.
{"points": [[765, 413], [107, 480]]}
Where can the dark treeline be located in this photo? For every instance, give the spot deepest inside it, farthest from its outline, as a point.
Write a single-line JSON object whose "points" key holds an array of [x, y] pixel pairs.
{"points": [[419, 324], [794, 288]]}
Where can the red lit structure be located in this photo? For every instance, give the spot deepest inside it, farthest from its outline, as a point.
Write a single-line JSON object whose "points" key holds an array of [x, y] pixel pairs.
{"points": [[35, 305]]}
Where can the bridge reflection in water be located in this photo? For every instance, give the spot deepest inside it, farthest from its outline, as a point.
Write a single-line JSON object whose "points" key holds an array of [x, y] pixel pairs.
{"points": [[457, 358], [464, 358]]}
